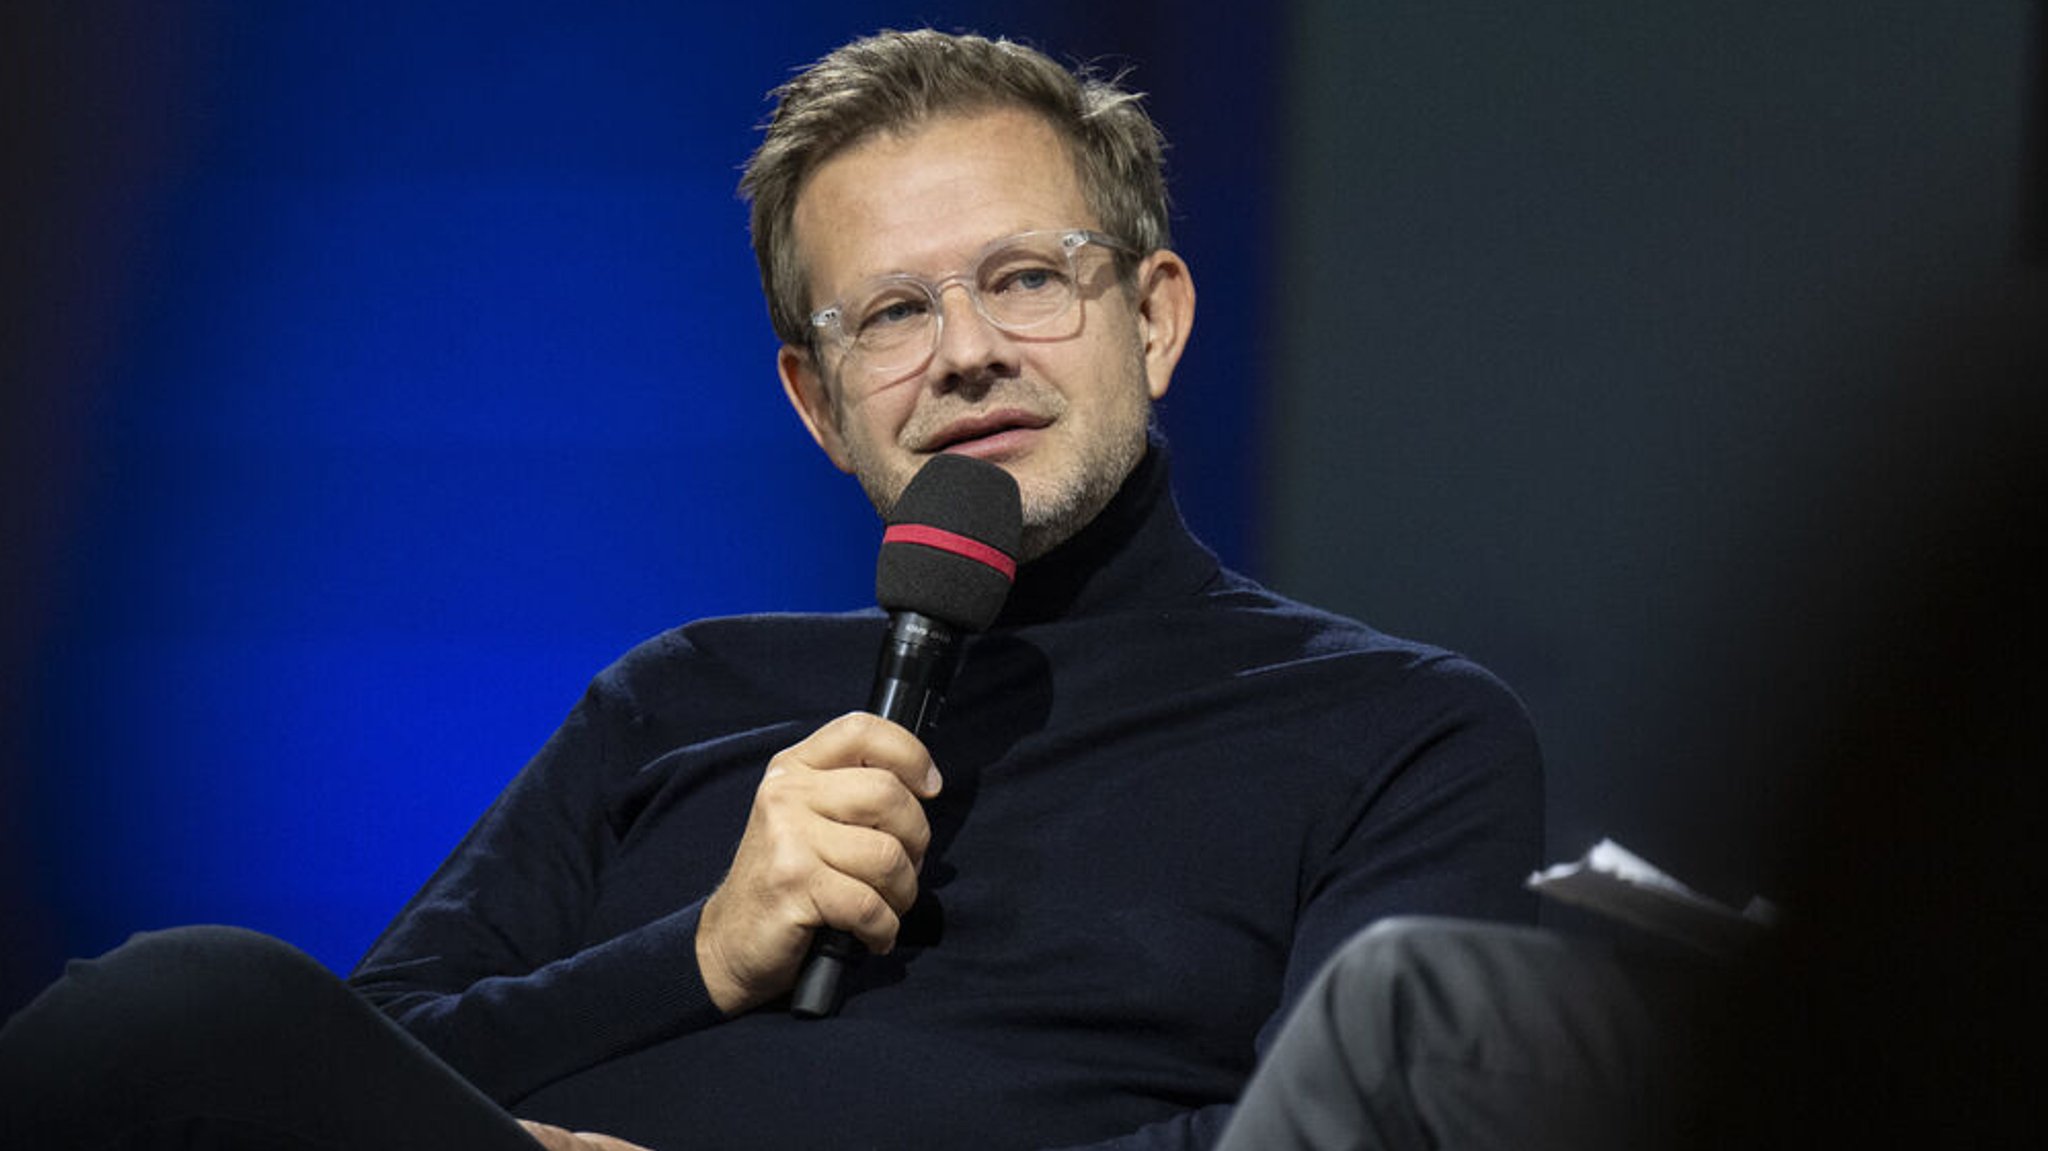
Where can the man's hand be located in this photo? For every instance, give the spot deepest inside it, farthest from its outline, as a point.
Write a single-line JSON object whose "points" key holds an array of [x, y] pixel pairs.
{"points": [[556, 1139], [835, 839]]}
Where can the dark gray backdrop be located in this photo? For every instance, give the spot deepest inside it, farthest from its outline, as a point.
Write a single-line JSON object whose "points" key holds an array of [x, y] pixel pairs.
{"points": [[1589, 319]]}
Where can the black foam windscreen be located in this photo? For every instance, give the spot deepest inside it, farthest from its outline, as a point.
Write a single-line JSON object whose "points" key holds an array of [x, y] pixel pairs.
{"points": [[951, 545]]}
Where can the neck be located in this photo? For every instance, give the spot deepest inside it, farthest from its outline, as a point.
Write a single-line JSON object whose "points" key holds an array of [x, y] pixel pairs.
{"points": [[1136, 546]]}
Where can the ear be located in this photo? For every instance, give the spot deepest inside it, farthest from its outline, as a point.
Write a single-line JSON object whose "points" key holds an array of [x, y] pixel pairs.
{"points": [[808, 394], [1166, 313]]}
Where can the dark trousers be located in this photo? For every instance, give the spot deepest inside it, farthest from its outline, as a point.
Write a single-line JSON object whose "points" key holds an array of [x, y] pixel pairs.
{"points": [[216, 1037], [1436, 1033]]}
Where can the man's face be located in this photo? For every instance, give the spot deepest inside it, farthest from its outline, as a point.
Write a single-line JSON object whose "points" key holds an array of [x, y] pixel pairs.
{"points": [[1062, 409]]}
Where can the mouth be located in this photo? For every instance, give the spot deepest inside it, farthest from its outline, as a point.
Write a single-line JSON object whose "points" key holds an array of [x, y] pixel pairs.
{"points": [[988, 435]]}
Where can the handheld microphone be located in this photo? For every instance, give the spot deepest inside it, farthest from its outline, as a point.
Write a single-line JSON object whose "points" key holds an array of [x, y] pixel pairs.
{"points": [[945, 568]]}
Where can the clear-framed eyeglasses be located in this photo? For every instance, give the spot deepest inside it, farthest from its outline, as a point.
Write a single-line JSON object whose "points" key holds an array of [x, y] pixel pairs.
{"points": [[1025, 283]]}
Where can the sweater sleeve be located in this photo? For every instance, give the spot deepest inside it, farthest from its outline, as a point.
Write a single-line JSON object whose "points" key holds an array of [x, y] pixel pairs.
{"points": [[1445, 818], [489, 964]]}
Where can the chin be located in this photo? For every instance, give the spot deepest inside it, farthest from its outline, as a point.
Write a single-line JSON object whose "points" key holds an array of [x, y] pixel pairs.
{"points": [[1050, 519]]}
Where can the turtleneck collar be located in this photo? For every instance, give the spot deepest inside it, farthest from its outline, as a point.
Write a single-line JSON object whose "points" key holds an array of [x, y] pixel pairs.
{"points": [[1137, 551]]}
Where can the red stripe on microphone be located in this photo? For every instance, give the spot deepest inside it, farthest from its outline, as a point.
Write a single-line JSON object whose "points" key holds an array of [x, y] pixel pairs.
{"points": [[964, 546]]}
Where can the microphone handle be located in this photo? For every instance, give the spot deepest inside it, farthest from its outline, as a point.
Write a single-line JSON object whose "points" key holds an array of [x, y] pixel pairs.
{"points": [[912, 673]]}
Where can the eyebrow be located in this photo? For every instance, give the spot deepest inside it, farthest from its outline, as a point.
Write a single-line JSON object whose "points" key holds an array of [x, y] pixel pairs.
{"points": [[973, 254]]}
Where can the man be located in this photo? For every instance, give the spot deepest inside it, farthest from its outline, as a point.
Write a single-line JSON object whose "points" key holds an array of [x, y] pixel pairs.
{"points": [[1161, 796]]}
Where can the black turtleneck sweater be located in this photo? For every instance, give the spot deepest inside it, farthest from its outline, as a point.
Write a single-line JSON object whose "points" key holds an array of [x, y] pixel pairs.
{"points": [[1170, 794]]}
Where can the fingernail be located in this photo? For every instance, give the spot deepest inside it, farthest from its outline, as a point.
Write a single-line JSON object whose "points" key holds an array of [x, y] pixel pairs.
{"points": [[933, 781]]}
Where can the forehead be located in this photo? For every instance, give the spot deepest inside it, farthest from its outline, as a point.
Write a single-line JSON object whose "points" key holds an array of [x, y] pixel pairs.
{"points": [[925, 199]]}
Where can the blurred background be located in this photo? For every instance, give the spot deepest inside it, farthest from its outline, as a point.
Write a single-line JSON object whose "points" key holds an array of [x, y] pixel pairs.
{"points": [[378, 373]]}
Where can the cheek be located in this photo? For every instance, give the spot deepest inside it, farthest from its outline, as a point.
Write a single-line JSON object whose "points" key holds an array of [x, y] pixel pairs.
{"points": [[879, 418], [1117, 376]]}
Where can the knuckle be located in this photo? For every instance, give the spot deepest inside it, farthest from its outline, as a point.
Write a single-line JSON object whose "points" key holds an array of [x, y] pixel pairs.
{"points": [[847, 904], [919, 839], [778, 785], [861, 720], [861, 726], [875, 791], [782, 877], [884, 858]]}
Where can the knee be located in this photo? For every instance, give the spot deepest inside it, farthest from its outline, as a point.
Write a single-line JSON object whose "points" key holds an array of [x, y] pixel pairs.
{"points": [[203, 970], [97, 1046], [171, 987], [1366, 991], [1344, 1055], [1418, 979], [1386, 957]]}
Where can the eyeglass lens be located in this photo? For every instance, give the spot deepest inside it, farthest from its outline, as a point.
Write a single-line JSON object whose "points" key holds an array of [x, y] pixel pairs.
{"points": [[1020, 283]]}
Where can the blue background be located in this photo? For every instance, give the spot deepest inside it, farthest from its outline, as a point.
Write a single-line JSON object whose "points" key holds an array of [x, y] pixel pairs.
{"points": [[394, 368]]}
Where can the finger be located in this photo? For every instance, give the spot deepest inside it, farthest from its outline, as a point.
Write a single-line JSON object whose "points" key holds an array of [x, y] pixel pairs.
{"points": [[858, 739], [870, 798], [878, 830], [873, 858], [556, 1139], [792, 810], [855, 908], [592, 1141], [550, 1137]]}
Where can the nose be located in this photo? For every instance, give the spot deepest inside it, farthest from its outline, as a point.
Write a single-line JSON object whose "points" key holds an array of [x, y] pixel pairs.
{"points": [[969, 345]]}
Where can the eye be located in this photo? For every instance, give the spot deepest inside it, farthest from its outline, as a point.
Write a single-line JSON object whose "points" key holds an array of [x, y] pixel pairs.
{"points": [[892, 310], [1026, 279]]}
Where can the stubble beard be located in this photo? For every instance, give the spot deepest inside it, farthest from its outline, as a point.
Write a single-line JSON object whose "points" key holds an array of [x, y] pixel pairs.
{"points": [[1054, 507], [1068, 503]]}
